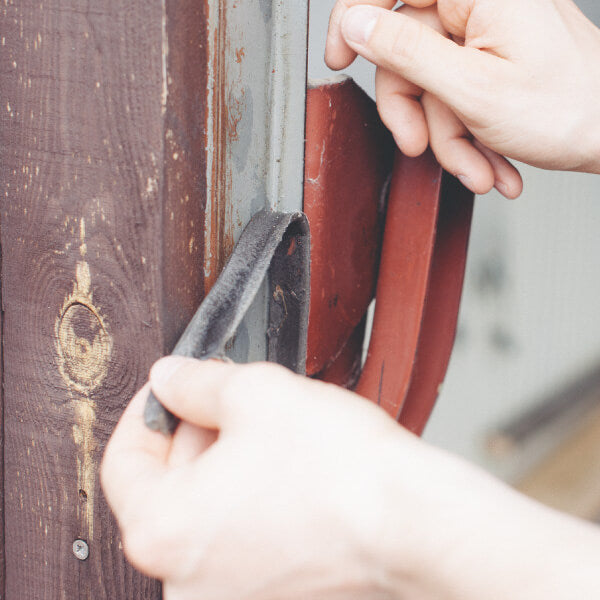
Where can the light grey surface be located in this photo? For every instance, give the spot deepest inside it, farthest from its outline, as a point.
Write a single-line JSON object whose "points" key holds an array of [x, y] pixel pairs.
{"points": [[530, 315], [257, 53], [590, 8]]}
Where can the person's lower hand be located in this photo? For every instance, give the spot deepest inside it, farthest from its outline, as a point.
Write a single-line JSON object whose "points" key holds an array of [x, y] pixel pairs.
{"points": [[287, 500], [274, 486], [278, 487], [480, 80]]}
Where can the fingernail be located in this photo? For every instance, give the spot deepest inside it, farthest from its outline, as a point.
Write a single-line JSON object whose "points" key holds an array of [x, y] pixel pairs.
{"points": [[466, 181], [165, 368], [359, 22]]}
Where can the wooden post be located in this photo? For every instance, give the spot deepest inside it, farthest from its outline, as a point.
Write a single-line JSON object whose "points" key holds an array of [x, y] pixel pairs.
{"points": [[103, 174]]}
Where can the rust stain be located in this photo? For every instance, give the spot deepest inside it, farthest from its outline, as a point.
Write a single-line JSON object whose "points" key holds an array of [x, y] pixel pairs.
{"points": [[292, 248], [239, 55], [218, 231], [235, 111]]}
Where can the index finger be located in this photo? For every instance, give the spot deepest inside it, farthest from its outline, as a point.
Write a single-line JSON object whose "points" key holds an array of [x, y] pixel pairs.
{"points": [[338, 55], [134, 460]]}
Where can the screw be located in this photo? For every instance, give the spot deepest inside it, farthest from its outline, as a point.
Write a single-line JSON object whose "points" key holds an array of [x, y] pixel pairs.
{"points": [[80, 549]]}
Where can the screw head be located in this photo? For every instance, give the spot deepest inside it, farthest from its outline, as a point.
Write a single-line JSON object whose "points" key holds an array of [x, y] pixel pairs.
{"points": [[80, 549]]}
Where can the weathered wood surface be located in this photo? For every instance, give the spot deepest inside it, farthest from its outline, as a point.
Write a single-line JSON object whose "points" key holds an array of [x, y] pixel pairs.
{"points": [[2, 541], [569, 478], [102, 170]]}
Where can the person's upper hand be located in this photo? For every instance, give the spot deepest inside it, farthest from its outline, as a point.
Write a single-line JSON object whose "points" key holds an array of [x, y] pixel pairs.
{"points": [[479, 80], [275, 486]]}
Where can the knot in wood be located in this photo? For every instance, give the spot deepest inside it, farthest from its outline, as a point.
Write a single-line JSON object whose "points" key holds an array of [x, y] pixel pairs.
{"points": [[84, 346]]}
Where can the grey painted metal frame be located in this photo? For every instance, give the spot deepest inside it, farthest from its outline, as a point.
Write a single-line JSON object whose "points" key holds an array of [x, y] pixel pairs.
{"points": [[255, 131]]}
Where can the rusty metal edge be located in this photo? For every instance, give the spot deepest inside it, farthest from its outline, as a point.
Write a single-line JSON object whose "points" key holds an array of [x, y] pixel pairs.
{"points": [[254, 132]]}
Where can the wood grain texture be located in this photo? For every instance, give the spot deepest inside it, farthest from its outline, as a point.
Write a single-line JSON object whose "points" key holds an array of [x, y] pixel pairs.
{"points": [[569, 478], [102, 170], [2, 540]]}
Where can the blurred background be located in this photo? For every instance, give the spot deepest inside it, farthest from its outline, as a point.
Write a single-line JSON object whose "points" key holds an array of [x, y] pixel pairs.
{"points": [[522, 395]]}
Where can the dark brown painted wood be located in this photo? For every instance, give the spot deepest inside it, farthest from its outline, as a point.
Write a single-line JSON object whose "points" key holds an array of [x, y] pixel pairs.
{"points": [[2, 541], [102, 172]]}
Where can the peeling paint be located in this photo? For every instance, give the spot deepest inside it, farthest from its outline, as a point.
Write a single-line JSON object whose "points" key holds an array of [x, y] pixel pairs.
{"points": [[151, 185], [165, 61], [254, 126], [217, 227]]}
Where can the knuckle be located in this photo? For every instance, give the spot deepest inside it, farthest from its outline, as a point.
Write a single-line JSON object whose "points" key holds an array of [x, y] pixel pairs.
{"points": [[189, 369], [337, 13], [236, 386], [406, 41], [264, 372], [236, 382], [256, 377]]}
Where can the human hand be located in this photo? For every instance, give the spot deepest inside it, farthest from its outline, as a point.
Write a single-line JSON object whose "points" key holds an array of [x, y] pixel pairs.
{"points": [[308, 491], [287, 501], [479, 80]]}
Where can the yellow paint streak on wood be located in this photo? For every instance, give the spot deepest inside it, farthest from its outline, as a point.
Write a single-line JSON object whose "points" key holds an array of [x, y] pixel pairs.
{"points": [[83, 435], [84, 349], [83, 246]]}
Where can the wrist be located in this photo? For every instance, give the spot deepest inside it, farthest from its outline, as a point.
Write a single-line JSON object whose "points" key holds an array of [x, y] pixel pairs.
{"points": [[587, 137], [591, 163], [452, 531], [379, 517], [588, 142], [420, 519]]}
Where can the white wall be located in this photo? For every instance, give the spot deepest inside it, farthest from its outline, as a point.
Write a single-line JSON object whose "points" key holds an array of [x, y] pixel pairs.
{"points": [[530, 318]]}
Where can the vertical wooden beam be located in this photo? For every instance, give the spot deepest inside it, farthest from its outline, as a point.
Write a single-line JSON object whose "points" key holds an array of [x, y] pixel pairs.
{"points": [[103, 179], [2, 539]]}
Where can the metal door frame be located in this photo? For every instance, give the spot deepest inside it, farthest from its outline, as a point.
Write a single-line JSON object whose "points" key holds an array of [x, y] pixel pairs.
{"points": [[257, 57]]}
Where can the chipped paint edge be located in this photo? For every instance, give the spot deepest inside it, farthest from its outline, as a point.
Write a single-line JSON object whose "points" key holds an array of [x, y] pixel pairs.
{"points": [[266, 75]]}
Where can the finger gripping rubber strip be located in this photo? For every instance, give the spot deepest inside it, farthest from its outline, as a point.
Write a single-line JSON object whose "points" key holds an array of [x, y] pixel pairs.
{"points": [[273, 244]]}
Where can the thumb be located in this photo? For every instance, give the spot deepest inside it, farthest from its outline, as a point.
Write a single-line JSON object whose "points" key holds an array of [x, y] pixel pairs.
{"points": [[417, 52], [193, 390]]}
